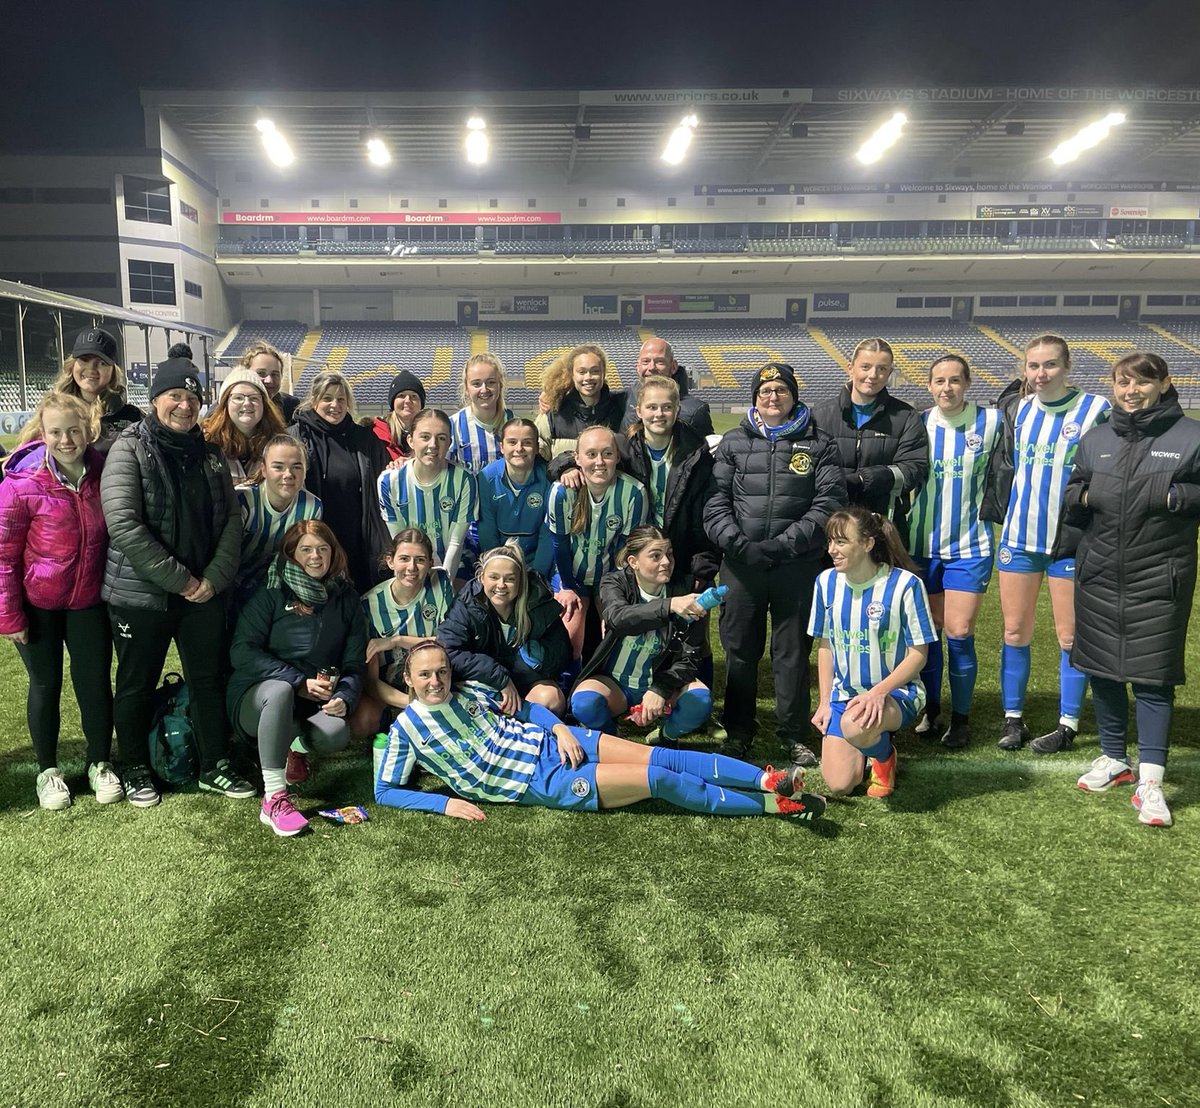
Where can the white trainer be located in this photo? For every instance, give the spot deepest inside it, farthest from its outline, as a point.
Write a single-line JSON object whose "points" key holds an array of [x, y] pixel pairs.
{"points": [[1151, 806], [52, 791], [105, 783], [1105, 773]]}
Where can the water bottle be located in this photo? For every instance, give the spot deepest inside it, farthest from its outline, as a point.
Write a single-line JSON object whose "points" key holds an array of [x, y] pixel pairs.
{"points": [[378, 748], [710, 598], [635, 714]]}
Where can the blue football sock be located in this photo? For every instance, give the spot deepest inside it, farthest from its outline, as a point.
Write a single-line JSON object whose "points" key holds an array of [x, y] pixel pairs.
{"points": [[717, 769], [685, 791], [963, 668], [882, 750], [931, 676], [591, 709], [690, 712], [1072, 687], [1014, 677]]}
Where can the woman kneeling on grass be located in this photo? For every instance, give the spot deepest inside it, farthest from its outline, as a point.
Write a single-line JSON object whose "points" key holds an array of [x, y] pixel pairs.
{"points": [[872, 619], [298, 665], [463, 740]]}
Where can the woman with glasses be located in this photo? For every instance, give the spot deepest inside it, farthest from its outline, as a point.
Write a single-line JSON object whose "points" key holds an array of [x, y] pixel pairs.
{"points": [[243, 422]]}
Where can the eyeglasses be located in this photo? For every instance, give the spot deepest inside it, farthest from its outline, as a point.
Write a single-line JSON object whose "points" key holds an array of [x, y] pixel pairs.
{"points": [[767, 393]]}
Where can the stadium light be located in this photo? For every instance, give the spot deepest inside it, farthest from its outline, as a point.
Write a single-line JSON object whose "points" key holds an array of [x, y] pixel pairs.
{"points": [[883, 139], [477, 140], [377, 151], [1089, 136], [680, 140], [277, 147]]}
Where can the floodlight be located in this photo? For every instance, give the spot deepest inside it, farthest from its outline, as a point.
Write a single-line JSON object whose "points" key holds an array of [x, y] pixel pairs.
{"points": [[1089, 136], [277, 147], [680, 140], [377, 151], [884, 138], [477, 140]]}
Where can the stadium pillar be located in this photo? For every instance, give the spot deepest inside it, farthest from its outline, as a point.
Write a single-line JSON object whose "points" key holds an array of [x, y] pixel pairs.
{"points": [[208, 386], [62, 356], [22, 384], [149, 365], [316, 308]]}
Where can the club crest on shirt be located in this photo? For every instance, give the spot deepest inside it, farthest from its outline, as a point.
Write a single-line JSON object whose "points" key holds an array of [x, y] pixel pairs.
{"points": [[974, 441], [1070, 430], [874, 611], [580, 787], [534, 500], [801, 463], [429, 612], [473, 709], [446, 503], [613, 523]]}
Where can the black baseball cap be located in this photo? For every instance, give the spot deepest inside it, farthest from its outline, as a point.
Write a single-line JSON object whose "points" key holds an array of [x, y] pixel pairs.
{"points": [[95, 341]]}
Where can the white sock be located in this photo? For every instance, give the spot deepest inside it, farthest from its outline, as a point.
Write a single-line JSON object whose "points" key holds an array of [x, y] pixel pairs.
{"points": [[1069, 721], [1014, 715], [273, 781], [1150, 774]]}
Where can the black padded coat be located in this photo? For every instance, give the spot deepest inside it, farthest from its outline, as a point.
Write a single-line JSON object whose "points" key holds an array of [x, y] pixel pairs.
{"points": [[772, 499], [885, 459], [1135, 566]]}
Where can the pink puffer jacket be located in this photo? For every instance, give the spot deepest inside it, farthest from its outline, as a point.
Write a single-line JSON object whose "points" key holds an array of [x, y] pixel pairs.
{"points": [[53, 540]]}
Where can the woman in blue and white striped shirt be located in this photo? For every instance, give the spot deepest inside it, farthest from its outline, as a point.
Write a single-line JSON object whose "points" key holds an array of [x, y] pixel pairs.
{"points": [[872, 619], [462, 738], [476, 425], [949, 543], [1043, 424]]}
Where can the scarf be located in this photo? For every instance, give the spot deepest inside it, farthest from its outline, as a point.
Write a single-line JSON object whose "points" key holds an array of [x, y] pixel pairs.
{"points": [[798, 422], [284, 573]]}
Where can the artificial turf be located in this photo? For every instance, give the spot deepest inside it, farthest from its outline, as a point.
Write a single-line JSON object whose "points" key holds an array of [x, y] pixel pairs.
{"points": [[990, 935]]}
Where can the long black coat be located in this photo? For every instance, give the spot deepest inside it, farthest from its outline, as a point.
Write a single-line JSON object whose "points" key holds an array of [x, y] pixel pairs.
{"points": [[1135, 567]]}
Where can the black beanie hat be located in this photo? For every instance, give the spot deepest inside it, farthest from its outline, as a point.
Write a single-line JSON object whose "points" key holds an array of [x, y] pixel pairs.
{"points": [[405, 381], [176, 373], [181, 350], [776, 371]]}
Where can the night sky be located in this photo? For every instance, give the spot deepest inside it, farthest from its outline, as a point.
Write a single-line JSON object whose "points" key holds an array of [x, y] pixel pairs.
{"points": [[71, 71]]}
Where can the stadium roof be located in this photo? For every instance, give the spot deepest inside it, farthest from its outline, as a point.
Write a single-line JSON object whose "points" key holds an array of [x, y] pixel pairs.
{"points": [[983, 133]]}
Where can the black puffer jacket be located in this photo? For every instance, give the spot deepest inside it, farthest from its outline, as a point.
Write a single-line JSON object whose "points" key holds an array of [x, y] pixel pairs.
{"points": [[997, 490], [475, 643], [118, 414], [560, 430], [142, 510], [626, 613], [1135, 568], [690, 485], [274, 642], [772, 499], [692, 410], [885, 459]]}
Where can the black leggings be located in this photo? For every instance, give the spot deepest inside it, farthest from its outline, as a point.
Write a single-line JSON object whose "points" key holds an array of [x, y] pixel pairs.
{"points": [[85, 634], [141, 638]]}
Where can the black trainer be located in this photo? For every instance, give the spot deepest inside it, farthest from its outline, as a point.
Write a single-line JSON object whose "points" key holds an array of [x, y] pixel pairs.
{"points": [[800, 755], [958, 734], [1061, 738], [224, 779], [1015, 734], [736, 746]]}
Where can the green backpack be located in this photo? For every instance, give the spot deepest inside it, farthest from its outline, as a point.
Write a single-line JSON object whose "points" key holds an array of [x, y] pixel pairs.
{"points": [[172, 746]]}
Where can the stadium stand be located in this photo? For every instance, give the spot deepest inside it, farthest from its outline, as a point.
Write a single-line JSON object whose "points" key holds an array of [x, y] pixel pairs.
{"points": [[274, 247], [710, 246], [527, 349], [566, 248], [285, 335]]}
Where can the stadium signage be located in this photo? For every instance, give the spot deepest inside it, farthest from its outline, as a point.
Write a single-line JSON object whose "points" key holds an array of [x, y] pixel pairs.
{"points": [[1116, 212], [399, 219], [599, 305], [1041, 211], [1006, 94], [831, 302], [839, 188], [700, 302], [636, 96]]}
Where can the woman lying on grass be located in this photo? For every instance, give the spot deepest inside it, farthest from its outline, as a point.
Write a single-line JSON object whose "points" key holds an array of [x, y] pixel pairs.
{"points": [[462, 739]]}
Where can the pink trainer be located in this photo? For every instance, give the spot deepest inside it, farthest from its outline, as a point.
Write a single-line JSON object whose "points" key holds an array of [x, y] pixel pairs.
{"points": [[280, 815]]}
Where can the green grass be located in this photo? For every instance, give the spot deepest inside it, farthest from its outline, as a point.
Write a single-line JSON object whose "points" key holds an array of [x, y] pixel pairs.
{"points": [[989, 936]]}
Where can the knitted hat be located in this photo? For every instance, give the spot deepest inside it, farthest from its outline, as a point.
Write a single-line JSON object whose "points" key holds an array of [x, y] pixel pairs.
{"points": [[176, 373], [95, 342], [405, 381], [245, 377], [776, 371]]}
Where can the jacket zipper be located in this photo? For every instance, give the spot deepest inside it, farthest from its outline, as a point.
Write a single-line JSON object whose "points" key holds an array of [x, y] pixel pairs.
{"points": [[1129, 453], [771, 490]]}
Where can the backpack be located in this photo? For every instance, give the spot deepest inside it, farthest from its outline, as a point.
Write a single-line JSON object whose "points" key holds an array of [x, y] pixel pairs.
{"points": [[172, 747]]}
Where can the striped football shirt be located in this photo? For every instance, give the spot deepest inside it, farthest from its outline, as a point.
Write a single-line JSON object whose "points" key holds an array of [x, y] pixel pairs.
{"points": [[465, 742], [421, 616], [631, 663], [869, 627], [472, 444], [944, 522], [660, 473], [263, 528], [594, 552], [436, 509], [1046, 438]]}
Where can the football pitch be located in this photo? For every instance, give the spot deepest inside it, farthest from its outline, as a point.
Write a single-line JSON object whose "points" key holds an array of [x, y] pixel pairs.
{"points": [[990, 935]]}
